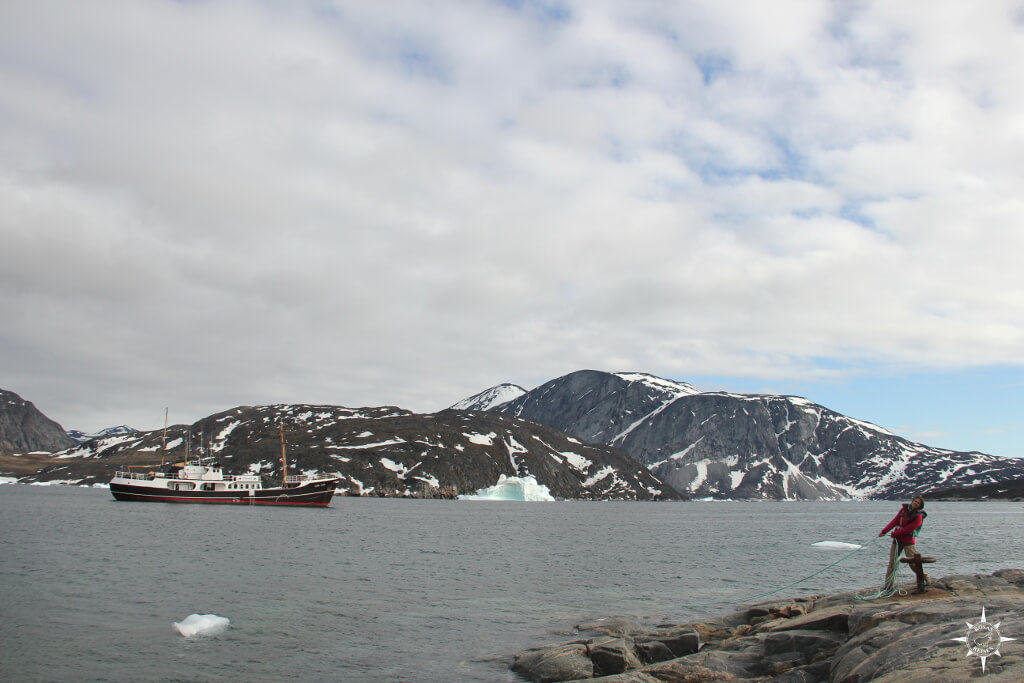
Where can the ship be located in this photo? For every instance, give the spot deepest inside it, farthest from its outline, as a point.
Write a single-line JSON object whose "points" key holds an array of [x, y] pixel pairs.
{"points": [[196, 481]]}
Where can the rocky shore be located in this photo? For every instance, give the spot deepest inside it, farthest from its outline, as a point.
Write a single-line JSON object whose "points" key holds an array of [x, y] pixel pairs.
{"points": [[837, 638]]}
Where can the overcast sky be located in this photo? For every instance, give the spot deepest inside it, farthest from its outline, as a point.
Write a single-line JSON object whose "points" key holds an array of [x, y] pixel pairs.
{"points": [[209, 204]]}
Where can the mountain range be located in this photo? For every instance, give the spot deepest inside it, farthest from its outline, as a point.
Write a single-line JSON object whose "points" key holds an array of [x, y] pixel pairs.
{"points": [[382, 451], [586, 435], [749, 446]]}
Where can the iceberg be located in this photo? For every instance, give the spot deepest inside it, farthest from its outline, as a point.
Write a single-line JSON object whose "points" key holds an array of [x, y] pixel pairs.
{"points": [[201, 625], [512, 488], [836, 545]]}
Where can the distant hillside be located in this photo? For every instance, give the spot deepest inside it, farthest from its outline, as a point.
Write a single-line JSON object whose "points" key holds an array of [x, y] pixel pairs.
{"points": [[1004, 490], [728, 445], [23, 429], [80, 437], [377, 451]]}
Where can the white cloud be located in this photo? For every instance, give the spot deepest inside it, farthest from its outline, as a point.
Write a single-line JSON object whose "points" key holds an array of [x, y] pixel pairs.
{"points": [[220, 203]]}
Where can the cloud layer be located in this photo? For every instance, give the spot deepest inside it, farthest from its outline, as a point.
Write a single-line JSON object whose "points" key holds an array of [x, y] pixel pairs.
{"points": [[211, 203]]}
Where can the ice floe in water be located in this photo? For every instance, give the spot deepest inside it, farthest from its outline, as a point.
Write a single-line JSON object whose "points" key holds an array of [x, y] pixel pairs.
{"points": [[512, 488], [201, 625], [836, 545]]}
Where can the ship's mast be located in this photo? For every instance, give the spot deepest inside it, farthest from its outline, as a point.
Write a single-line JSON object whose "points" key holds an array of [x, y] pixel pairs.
{"points": [[284, 458], [163, 441]]}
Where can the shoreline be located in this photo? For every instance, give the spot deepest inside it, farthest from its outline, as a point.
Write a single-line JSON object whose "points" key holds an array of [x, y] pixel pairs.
{"points": [[78, 483], [833, 637]]}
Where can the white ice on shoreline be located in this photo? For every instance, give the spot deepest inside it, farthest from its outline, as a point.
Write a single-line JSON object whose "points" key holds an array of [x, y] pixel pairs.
{"points": [[201, 625], [512, 488]]}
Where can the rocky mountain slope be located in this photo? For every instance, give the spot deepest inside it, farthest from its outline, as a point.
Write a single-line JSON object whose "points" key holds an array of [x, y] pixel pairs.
{"points": [[377, 451], [727, 445], [23, 429]]}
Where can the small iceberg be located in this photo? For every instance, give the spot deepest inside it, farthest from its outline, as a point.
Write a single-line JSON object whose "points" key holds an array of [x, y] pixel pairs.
{"points": [[836, 545], [201, 625], [512, 488]]}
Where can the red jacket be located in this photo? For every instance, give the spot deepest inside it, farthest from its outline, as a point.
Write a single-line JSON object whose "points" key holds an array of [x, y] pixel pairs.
{"points": [[905, 523]]}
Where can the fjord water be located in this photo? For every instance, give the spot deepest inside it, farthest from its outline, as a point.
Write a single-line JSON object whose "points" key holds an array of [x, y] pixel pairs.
{"points": [[381, 589]]}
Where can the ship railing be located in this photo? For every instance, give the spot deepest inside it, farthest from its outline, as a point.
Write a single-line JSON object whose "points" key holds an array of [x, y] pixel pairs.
{"points": [[227, 477], [133, 475], [303, 478], [123, 474]]}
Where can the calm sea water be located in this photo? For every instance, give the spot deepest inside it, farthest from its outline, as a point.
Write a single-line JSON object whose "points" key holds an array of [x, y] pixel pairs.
{"points": [[377, 589]]}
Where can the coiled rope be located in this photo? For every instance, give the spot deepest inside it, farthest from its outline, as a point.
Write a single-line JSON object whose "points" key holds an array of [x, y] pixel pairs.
{"points": [[890, 587]]}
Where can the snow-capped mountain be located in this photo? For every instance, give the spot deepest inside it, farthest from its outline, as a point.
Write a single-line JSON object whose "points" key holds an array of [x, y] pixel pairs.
{"points": [[81, 437], [727, 445], [382, 451], [490, 398]]}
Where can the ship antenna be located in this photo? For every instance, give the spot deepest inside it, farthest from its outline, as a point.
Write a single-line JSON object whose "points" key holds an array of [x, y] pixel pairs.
{"points": [[163, 441], [284, 458]]}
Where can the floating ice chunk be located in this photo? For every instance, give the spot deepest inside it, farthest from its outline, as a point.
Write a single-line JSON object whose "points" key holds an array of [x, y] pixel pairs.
{"points": [[512, 488], [201, 625], [836, 545]]}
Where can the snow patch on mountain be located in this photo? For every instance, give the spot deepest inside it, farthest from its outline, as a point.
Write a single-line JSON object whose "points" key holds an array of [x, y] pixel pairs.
{"points": [[482, 439], [490, 398], [670, 387]]}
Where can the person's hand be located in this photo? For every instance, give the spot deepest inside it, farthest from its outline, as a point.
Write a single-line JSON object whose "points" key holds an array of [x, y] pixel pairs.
{"points": [[881, 533]]}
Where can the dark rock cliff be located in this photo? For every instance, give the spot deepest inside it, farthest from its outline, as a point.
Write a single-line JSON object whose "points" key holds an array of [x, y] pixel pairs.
{"points": [[24, 429]]}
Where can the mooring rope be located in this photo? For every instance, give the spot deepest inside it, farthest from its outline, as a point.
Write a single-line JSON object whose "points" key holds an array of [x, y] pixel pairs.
{"points": [[754, 598], [890, 587]]}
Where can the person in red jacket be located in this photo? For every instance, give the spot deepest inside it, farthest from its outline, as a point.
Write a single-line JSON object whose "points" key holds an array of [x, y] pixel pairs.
{"points": [[905, 526]]}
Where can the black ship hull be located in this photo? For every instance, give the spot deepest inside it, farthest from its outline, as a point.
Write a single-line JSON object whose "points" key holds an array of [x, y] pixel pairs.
{"points": [[314, 494]]}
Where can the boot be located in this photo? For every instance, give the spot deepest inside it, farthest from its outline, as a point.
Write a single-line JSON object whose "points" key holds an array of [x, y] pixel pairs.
{"points": [[922, 578]]}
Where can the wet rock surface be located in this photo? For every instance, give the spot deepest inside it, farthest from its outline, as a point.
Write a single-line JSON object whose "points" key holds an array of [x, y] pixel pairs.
{"points": [[838, 638]]}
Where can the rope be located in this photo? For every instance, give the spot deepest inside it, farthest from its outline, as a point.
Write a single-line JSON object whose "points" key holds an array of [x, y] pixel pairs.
{"points": [[890, 587], [754, 598]]}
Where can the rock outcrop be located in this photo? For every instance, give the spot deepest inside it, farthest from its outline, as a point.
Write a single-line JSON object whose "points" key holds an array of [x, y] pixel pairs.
{"points": [[23, 429], [837, 638]]}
